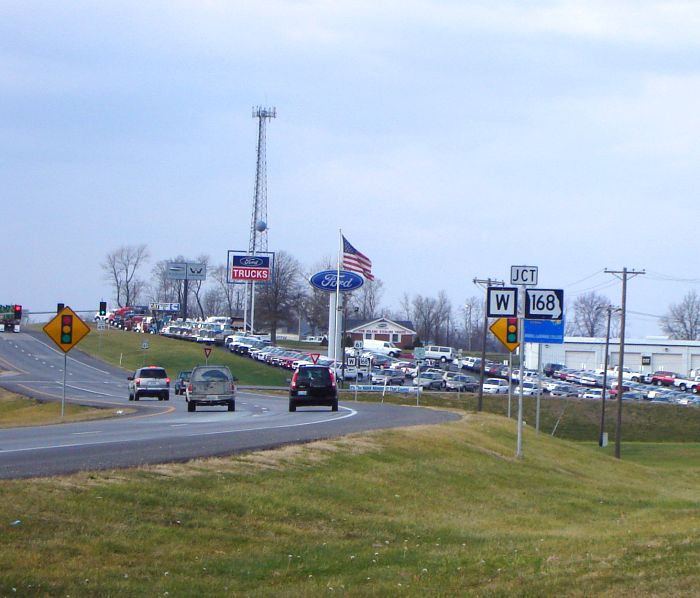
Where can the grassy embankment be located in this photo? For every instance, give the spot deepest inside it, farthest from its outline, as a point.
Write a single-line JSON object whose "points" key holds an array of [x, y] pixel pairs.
{"points": [[17, 410], [426, 511]]}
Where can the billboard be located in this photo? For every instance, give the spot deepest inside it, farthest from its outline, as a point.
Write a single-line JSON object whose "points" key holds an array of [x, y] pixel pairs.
{"points": [[244, 267]]}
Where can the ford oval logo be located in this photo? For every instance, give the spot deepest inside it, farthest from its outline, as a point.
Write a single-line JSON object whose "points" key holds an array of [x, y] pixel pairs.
{"points": [[327, 280], [251, 261]]}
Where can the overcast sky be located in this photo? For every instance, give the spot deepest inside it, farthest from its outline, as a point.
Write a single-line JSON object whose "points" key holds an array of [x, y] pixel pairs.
{"points": [[448, 140]]}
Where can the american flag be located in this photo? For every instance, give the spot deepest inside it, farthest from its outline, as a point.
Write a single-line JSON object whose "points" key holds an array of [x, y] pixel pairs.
{"points": [[356, 261]]}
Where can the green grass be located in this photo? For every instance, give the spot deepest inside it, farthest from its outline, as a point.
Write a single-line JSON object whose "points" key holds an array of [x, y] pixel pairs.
{"points": [[16, 410], [124, 349], [425, 511]]}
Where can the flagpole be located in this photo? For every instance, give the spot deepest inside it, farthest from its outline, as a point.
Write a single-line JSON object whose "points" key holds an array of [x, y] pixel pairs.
{"points": [[337, 296]]}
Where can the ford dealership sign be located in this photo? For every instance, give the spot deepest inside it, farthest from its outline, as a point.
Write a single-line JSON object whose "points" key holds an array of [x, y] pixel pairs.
{"points": [[327, 280]]}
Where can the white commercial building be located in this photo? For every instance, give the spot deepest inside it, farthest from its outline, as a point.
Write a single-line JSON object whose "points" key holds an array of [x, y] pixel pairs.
{"points": [[643, 355]]}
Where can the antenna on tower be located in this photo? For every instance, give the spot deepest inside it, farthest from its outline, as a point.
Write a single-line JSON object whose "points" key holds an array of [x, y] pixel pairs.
{"points": [[258, 221]]}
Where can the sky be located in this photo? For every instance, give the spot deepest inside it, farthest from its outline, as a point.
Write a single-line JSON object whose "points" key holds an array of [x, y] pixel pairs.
{"points": [[447, 139]]}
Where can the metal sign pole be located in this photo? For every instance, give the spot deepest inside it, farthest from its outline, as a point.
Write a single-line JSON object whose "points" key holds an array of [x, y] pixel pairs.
{"points": [[63, 400], [521, 332]]}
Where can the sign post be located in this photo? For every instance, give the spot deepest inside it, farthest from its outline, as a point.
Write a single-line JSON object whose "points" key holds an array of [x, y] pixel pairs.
{"points": [[207, 353], [66, 330], [522, 276]]}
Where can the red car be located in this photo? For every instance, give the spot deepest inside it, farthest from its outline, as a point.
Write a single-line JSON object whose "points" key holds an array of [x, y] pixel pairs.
{"points": [[664, 378]]}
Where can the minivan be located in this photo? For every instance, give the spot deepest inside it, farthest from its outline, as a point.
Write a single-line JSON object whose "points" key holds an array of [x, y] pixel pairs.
{"points": [[443, 354]]}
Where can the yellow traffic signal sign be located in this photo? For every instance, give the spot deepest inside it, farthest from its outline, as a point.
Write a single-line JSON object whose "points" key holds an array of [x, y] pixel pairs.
{"points": [[506, 331], [66, 329]]}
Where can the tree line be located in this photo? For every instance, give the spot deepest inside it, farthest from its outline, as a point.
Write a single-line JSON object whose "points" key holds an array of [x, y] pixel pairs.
{"points": [[289, 301]]}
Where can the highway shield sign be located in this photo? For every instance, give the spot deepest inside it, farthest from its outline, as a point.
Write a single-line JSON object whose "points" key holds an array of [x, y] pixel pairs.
{"points": [[66, 329], [544, 304], [501, 301]]}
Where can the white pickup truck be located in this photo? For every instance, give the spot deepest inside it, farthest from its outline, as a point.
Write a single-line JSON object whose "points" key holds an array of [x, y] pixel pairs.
{"points": [[211, 385], [687, 384], [627, 374]]}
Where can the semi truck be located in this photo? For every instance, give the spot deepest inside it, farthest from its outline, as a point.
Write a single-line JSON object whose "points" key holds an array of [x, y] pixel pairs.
{"points": [[10, 318]]}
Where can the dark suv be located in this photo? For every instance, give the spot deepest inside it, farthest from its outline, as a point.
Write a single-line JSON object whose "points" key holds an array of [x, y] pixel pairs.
{"points": [[151, 381], [181, 382], [313, 385]]}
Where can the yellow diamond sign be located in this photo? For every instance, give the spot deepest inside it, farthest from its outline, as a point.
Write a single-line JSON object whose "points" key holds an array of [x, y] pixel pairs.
{"points": [[66, 329], [506, 331]]}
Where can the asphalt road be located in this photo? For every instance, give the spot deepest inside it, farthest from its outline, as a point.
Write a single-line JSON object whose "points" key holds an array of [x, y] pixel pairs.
{"points": [[157, 432]]}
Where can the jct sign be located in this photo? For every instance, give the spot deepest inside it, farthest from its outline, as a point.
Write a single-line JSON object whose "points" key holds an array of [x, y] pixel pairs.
{"points": [[249, 268]]}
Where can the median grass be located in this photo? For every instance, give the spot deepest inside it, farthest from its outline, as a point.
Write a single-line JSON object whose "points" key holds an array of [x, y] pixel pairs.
{"points": [[17, 410], [124, 349], [425, 511]]}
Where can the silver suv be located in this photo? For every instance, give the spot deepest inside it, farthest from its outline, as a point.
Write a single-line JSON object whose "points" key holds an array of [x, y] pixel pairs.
{"points": [[151, 381]]}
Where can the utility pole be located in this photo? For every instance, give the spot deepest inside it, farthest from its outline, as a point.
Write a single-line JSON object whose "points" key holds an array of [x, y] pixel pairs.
{"points": [[623, 275], [609, 309], [484, 284]]}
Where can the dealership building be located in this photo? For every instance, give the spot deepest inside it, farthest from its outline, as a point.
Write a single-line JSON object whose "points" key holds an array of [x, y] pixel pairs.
{"points": [[642, 355]]}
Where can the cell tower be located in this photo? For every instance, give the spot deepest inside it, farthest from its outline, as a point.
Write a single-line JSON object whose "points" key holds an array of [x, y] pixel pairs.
{"points": [[258, 221]]}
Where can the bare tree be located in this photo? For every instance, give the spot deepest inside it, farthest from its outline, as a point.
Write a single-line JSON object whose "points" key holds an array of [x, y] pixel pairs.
{"points": [[367, 299], [276, 298], [682, 322], [473, 315], [590, 315], [231, 294], [196, 285], [121, 266]]}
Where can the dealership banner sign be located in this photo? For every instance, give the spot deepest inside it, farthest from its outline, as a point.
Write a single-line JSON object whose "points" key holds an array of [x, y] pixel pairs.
{"points": [[243, 267]]}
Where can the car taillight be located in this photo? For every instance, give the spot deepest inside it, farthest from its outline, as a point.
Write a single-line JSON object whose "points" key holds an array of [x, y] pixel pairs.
{"points": [[294, 379], [233, 387], [137, 381], [189, 387], [167, 381], [332, 378]]}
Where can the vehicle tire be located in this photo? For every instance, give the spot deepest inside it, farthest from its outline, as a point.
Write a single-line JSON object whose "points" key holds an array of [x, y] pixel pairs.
{"points": [[443, 359], [232, 406], [683, 387], [657, 382], [635, 378], [136, 396], [292, 407], [160, 397], [131, 397], [191, 407], [334, 407]]}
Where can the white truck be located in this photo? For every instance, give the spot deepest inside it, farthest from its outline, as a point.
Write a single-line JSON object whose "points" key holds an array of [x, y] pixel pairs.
{"points": [[211, 385], [687, 384], [627, 374]]}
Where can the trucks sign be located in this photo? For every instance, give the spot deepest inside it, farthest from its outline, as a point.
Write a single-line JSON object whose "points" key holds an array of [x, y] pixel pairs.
{"points": [[249, 268]]}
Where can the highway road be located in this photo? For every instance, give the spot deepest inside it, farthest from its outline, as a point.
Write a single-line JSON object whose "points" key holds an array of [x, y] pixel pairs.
{"points": [[151, 431]]}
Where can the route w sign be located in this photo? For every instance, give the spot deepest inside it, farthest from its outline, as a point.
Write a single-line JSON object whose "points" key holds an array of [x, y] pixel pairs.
{"points": [[502, 302]]}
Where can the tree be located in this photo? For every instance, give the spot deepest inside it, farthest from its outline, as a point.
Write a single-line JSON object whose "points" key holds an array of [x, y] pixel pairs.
{"points": [[367, 299], [590, 315], [120, 268], [682, 322], [473, 313], [231, 294], [275, 299]]}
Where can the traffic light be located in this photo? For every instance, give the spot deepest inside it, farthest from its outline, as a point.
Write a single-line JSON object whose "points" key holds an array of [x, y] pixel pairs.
{"points": [[103, 308], [66, 330], [512, 330], [18, 312]]}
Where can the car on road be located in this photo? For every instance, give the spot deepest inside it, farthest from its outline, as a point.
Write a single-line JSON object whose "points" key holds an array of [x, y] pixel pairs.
{"points": [[211, 385], [150, 381], [313, 385], [181, 382]]}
